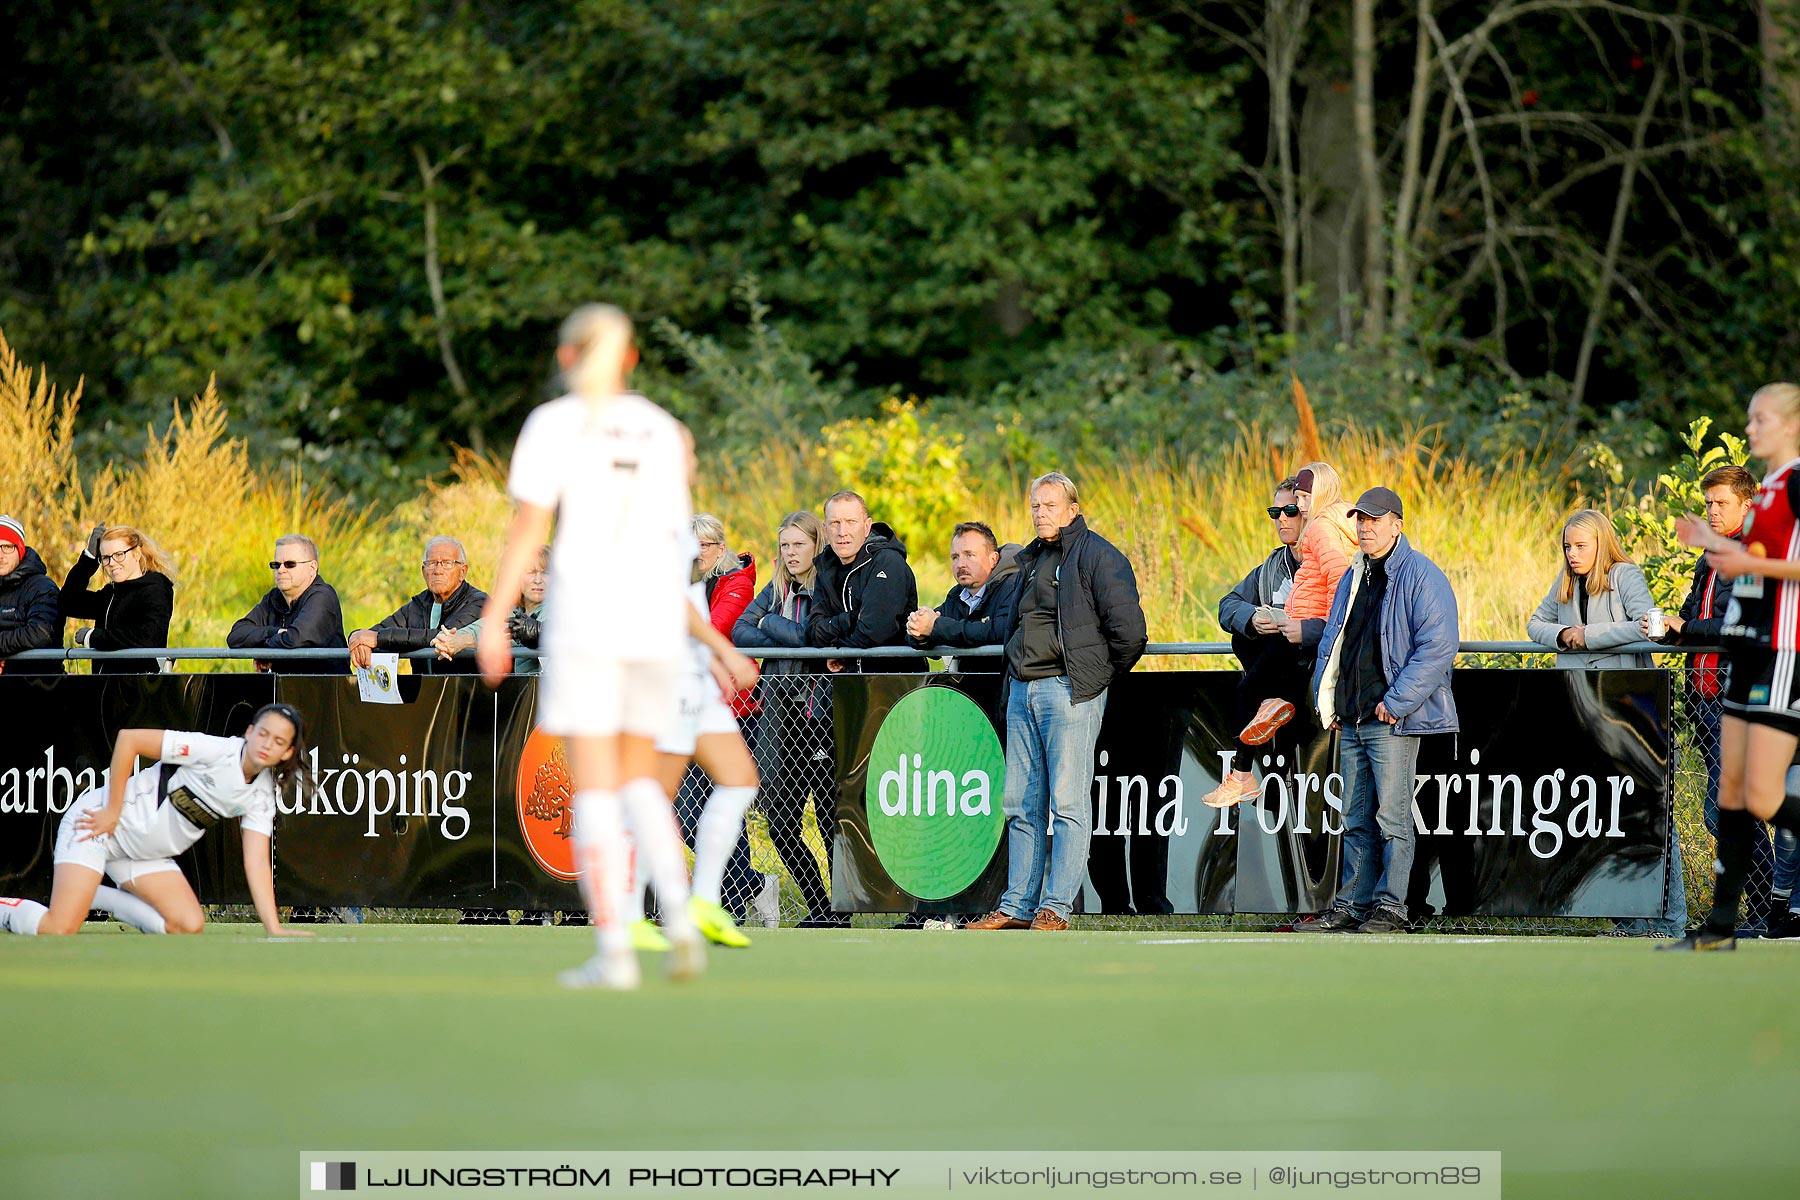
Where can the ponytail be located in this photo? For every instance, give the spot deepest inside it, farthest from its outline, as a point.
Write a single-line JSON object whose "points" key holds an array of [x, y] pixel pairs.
{"points": [[601, 334]]}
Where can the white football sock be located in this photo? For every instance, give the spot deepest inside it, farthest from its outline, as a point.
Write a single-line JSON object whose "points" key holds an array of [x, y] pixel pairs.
{"points": [[133, 910], [20, 916], [633, 911], [721, 822], [661, 853], [600, 855]]}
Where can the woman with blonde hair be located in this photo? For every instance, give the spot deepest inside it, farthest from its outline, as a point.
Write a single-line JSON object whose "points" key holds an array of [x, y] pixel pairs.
{"points": [[796, 716], [1761, 726], [133, 609], [1595, 600]]}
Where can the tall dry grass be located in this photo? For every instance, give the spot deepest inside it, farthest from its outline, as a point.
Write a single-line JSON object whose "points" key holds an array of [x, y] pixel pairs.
{"points": [[1191, 528]]}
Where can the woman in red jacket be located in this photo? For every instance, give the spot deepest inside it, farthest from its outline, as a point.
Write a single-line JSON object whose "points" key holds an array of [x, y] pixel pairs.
{"points": [[730, 581]]}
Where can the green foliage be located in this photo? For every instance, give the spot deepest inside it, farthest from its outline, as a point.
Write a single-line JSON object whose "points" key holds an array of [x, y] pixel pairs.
{"points": [[913, 475], [738, 397], [1645, 521]]}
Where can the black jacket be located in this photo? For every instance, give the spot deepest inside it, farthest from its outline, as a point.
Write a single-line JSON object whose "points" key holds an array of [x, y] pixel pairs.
{"points": [[30, 616], [1706, 675], [762, 626], [1099, 621], [1239, 605], [313, 619], [410, 628], [989, 623], [865, 602], [125, 615]]}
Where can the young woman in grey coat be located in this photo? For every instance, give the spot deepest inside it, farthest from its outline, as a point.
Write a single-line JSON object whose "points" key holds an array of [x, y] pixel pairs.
{"points": [[1595, 601]]}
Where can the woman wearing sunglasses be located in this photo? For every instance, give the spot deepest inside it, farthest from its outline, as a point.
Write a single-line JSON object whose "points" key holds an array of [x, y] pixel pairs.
{"points": [[133, 609]]}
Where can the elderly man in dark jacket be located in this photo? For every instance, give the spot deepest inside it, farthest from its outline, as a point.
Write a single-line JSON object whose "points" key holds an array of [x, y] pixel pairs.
{"points": [[979, 608], [864, 588], [448, 602], [30, 614], [1078, 627], [301, 611]]}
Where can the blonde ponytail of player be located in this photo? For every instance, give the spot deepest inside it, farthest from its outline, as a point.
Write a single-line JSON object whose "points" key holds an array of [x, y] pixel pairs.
{"points": [[600, 334]]}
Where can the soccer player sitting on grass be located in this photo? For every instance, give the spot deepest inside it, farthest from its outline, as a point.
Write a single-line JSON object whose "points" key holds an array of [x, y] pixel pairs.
{"points": [[134, 826]]}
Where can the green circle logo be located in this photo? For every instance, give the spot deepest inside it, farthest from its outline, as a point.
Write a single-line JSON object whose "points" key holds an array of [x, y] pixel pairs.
{"points": [[936, 775]]}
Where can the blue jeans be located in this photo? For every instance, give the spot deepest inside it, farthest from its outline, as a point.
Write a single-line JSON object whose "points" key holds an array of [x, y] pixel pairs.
{"points": [[1377, 765], [1049, 783]]}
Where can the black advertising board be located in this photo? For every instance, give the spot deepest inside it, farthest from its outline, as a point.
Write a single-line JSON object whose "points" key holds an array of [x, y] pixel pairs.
{"points": [[1553, 801]]}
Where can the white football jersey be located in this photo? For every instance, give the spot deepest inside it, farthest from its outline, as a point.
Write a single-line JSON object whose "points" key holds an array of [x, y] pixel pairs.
{"points": [[212, 776], [616, 476]]}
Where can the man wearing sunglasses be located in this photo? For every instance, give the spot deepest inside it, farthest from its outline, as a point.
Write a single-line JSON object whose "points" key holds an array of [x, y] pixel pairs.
{"points": [[299, 612], [1250, 614]]}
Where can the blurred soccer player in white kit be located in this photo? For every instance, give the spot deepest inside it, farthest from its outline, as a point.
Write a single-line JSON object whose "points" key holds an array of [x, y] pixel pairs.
{"points": [[703, 729], [613, 471]]}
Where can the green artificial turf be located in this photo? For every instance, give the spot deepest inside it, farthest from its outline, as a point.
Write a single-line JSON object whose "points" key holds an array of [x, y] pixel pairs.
{"points": [[199, 1067]]}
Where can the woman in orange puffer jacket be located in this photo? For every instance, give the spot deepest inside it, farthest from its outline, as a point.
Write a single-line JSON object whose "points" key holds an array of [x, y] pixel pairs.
{"points": [[1327, 541]]}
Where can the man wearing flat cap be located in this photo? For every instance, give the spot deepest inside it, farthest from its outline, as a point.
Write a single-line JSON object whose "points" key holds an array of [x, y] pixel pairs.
{"points": [[1382, 679]]}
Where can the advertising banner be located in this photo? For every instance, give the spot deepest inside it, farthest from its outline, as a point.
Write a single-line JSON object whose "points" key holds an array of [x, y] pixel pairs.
{"points": [[1553, 801]]}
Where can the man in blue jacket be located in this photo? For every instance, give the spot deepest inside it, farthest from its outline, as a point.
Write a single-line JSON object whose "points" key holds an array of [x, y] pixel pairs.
{"points": [[1383, 680]]}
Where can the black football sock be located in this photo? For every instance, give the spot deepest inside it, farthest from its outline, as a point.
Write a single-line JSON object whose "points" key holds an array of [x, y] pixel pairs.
{"points": [[1788, 815], [1736, 828]]}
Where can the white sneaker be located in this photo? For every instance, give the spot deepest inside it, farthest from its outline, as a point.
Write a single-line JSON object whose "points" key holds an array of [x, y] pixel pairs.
{"points": [[619, 974], [687, 957]]}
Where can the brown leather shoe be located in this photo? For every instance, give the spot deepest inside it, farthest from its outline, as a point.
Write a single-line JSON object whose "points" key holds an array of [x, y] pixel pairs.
{"points": [[998, 920], [1046, 919]]}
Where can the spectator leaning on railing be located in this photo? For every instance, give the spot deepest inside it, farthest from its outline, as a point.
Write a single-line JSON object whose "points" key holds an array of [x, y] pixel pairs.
{"points": [[133, 610], [300, 612], [730, 581], [1274, 673], [1079, 628], [30, 618], [1595, 601], [524, 623], [865, 588], [1383, 679], [448, 602], [981, 604], [794, 746], [1729, 492]]}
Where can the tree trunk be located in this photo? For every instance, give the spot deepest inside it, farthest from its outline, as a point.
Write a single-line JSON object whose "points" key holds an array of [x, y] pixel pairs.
{"points": [[1284, 29], [1362, 57], [1405, 262]]}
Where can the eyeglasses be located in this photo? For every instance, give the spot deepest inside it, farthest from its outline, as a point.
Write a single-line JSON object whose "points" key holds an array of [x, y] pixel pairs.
{"points": [[441, 564], [1283, 510], [288, 564], [107, 560]]}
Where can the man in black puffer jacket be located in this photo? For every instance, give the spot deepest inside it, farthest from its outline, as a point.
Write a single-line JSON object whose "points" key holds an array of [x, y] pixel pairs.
{"points": [[1079, 626], [30, 616], [865, 588], [980, 607]]}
